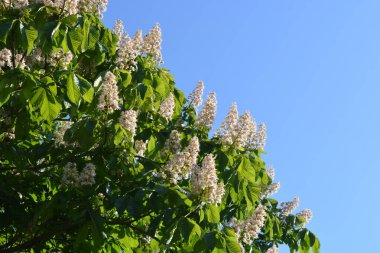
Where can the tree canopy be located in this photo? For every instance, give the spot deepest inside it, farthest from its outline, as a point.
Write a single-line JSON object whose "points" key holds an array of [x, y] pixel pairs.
{"points": [[100, 152]]}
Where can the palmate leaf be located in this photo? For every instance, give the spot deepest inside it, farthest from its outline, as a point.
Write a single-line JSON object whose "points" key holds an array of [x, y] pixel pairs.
{"points": [[5, 28], [29, 36], [190, 230], [75, 38], [77, 88], [231, 241], [45, 102]]}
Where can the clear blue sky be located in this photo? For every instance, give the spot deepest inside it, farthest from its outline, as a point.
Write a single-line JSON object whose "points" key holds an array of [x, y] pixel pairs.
{"points": [[311, 71]]}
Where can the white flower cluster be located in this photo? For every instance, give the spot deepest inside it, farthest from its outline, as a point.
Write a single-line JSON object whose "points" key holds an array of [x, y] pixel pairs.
{"points": [[167, 107], [261, 136], [140, 147], [195, 97], [271, 189], [72, 176], [204, 181], [87, 176], [172, 144], [273, 249], [36, 57], [128, 120], [20, 61], [249, 230], [129, 48], [94, 6], [206, 116], [17, 4], [57, 59], [70, 7], [5, 58], [67, 7], [180, 166], [241, 131], [152, 44], [58, 135], [118, 28], [271, 172], [288, 207], [109, 96], [307, 214]]}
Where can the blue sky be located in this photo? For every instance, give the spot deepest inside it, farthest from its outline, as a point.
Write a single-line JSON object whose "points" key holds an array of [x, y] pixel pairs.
{"points": [[311, 71]]}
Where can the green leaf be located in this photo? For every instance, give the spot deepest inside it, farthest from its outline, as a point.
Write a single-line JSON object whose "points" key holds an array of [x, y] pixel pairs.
{"points": [[162, 86], [97, 229], [4, 30], [58, 36], [77, 88], [43, 100], [245, 170], [75, 38], [314, 242], [129, 242], [212, 213], [126, 78], [190, 229], [29, 36], [231, 241], [85, 88], [72, 89], [5, 89]]}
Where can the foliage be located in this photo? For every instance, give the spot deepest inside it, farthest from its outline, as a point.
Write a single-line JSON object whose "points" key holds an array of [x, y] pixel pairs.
{"points": [[130, 207]]}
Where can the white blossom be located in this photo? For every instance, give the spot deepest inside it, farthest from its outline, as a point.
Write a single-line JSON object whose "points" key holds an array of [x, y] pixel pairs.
{"points": [[35, 58], [20, 61], [271, 189], [118, 28], [254, 224], [270, 172], [180, 166], [261, 136], [126, 54], [273, 249], [16, 4], [206, 116], [195, 97], [288, 207], [128, 120], [60, 58], [172, 144], [204, 181], [140, 147], [109, 96], [246, 126], [70, 174], [138, 42], [226, 132], [167, 107], [152, 44], [5, 58], [87, 175], [93, 6], [307, 214], [67, 7]]}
